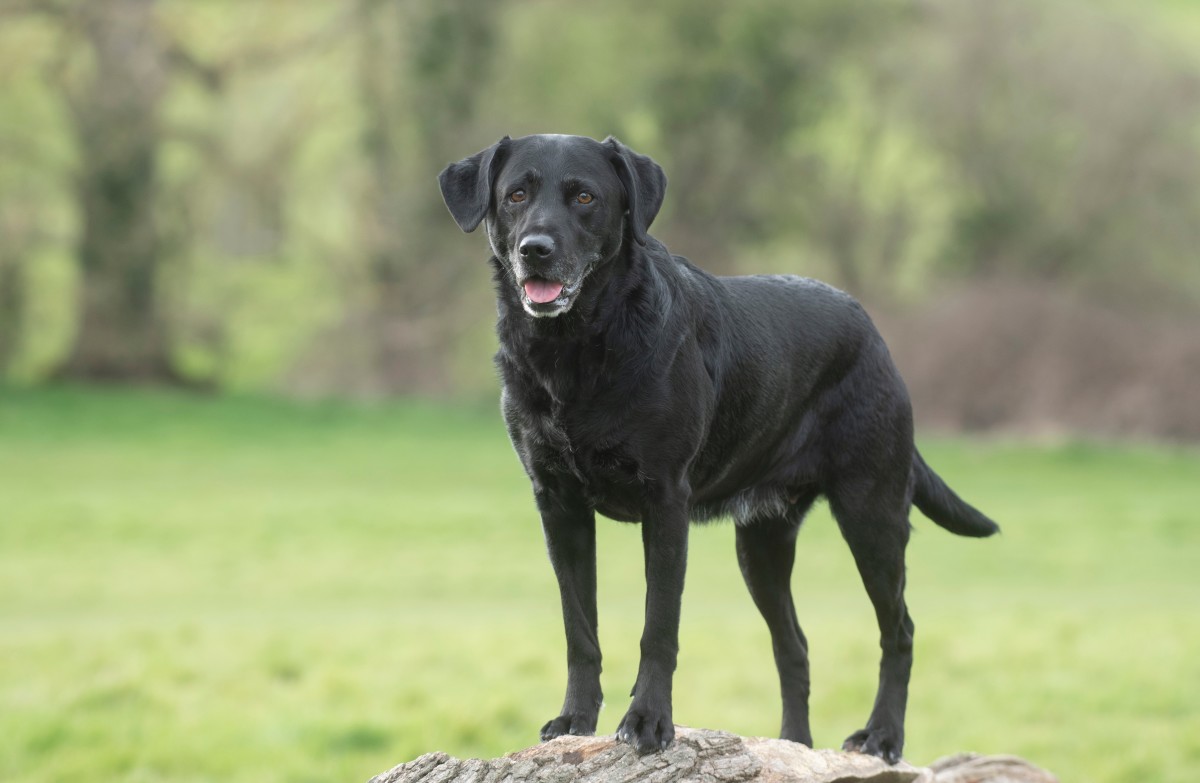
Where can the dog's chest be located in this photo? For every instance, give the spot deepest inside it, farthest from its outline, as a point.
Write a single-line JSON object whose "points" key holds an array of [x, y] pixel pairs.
{"points": [[580, 441], [575, 442], [570, 419]]}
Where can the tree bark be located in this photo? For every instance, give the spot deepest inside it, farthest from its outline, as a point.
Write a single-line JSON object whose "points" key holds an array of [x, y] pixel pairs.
{"points": [[708, 756], [121, 333]]}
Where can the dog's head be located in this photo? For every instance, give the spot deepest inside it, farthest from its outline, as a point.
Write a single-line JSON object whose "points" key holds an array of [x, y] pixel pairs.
{"points": [[555, 208]]}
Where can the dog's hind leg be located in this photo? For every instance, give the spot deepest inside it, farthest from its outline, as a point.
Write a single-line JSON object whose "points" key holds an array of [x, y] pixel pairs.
{"points": [[873, 517], [766, 549]]}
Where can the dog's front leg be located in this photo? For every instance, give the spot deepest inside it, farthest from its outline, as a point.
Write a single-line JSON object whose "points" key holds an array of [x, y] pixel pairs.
{"points": [[648, 724], [569, 525]]}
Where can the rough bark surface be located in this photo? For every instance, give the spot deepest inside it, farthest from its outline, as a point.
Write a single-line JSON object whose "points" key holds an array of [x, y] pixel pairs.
{"points": [[706, 757]]}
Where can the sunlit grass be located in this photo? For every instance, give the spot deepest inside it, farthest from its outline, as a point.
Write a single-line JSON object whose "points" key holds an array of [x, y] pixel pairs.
{"points": [[239, 589]]}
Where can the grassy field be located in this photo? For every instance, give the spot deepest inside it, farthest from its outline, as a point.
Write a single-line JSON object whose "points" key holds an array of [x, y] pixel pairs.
{"points": [[246, 590]]}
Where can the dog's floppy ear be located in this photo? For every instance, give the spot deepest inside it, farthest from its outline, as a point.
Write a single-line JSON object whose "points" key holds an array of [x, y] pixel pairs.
{"points": [[645, 185], [467, 185]]}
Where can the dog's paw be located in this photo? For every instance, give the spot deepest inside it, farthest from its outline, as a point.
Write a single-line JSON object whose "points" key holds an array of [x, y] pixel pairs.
{"points": [[570, 723], [647, 729], [885, 744]]}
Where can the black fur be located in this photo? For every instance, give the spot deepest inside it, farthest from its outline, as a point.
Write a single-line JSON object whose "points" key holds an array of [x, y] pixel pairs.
{"points": [[654, 392]]}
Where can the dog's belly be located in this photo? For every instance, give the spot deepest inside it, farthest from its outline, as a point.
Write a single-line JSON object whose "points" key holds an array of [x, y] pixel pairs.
{"points": [[621, 512], [617, 488], [730, 483], [744, 507], [614, 486]]}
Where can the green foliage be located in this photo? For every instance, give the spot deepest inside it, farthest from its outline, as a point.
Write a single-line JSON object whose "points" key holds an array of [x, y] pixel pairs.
{"points": [[1074, 143], [884, 146], [199, 588]]}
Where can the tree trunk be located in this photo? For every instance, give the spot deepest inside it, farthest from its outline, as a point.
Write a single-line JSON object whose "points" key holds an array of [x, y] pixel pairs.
{"points": [[121, 332], [411, 128], [711, 756], [12, 308]]}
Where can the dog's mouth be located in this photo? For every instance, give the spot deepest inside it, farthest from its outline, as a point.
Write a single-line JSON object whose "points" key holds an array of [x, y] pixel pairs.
{"points": [[547, 297], [544, 297], [539, 291]]}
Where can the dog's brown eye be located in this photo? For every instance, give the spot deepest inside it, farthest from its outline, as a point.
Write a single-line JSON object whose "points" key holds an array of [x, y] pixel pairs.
{"points": [[584, 198], [517, 196]]}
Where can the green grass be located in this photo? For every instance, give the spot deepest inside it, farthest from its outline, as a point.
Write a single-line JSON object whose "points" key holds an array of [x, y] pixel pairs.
{"points": [[247, 590]]}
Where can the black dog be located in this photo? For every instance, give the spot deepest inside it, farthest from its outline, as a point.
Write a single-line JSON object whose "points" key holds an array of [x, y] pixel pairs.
{"points": [[642, 387]]}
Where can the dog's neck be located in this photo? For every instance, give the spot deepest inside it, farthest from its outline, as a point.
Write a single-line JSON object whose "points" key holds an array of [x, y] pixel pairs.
{"points": [[615, 321]]}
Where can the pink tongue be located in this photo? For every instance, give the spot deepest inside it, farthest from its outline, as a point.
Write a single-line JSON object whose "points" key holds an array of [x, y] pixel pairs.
{"points": [[542, 291]]}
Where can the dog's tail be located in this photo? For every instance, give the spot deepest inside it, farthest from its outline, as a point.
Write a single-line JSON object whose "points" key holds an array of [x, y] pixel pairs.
{"points": [[938, 502]]}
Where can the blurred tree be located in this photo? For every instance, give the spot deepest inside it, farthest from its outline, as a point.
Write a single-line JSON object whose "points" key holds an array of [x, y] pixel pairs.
{"points": [[231, 180], [875, 201], [245, 212], [115, 66], [122, 335], [1073, 137], [733, 87], [12, 305], [422, 68]]}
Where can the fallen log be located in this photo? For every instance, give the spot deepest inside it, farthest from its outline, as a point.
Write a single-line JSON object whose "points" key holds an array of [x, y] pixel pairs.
{"points": [[707, 757]]}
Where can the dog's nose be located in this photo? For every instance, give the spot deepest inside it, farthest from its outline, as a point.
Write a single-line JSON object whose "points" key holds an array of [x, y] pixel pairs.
{"points": [[536, 246]]}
